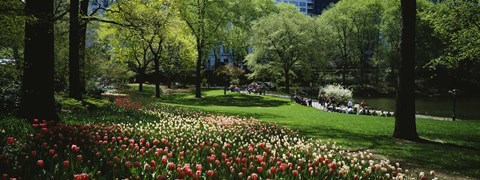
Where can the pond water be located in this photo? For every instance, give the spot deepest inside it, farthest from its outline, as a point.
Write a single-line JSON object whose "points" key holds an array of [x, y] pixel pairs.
{"points": [[466, 108]]}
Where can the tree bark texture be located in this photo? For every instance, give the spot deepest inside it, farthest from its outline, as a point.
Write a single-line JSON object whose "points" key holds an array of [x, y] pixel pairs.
{"points": [[405, 127], [82, 44], [157, 77], [37, 93], [73, 52], [198, 72], [287, 80]]}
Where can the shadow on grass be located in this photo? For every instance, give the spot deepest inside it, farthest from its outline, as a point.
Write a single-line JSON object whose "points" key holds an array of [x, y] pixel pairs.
{"points": [[446, 157], [239, 100]]}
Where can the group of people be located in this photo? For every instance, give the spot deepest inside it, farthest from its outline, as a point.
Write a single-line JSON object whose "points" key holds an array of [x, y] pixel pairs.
{"points": [[256, 88], [302, 100], [331, 105], [234, 88]]}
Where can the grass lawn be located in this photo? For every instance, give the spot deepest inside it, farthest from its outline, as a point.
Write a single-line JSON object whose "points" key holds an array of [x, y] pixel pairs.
{"points": [[452, 147]]}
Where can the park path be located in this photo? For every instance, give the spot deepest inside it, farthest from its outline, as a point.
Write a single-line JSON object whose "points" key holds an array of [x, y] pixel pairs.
{"points": [[316, 104]]}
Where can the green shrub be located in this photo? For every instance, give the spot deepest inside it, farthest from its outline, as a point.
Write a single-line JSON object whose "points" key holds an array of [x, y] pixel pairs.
{"points": [[72, 104], [92, 103]]}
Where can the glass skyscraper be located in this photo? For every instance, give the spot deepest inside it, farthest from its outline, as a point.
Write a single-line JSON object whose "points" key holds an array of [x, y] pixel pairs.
{"points": [[305, 6]]}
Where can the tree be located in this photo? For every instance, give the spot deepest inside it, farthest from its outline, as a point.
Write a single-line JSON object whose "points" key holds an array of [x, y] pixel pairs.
{"points": [[457, 23], [12, 29], [280, 42], [230, 74], [148, 31], [237, 35], [75, 91], [205, 18], [337, 25], [354, 28], [405, 127], [452, 59], [37, 98]]}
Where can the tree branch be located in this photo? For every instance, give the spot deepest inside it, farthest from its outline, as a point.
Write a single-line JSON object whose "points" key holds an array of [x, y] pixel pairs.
{"points": [[92, 18]]}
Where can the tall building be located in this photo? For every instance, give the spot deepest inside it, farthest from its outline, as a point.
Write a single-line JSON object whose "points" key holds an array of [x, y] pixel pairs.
{"points": [[305, 6]]}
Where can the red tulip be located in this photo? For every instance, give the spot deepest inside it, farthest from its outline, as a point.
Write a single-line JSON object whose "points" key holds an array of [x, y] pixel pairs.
{"points": [[40, 163], [52, 152], [153, 163], [10, 140], [327, 161], [34, 153], [83, 176], [188, 171], [334, 166], [181, 175], [164, 159], [75, 148], [198, 167], [294, 173], [210, 173], [259, 169], [283, 167], [254, 176], [66, 163], [79, 157], [171, 166], [273, 170], [128, 164]]}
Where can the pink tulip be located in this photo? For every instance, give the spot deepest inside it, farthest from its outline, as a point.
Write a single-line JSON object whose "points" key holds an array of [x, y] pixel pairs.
{"points": [[40, 163]]}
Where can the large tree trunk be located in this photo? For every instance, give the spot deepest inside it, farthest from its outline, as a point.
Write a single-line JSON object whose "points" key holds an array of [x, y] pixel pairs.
{"points": [[198, 77], [73, 53], [82, 44], [157, 77], [405, 127], [37, 99], [287, 80], [140, 79]]}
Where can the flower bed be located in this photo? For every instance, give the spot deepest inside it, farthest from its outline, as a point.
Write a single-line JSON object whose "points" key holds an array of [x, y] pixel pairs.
{"points": [[188, 144]]}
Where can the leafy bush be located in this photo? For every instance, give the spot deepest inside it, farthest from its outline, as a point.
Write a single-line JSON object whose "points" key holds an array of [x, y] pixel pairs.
{"points": [[72, 104], [89, 103], [336, 91], [92, 103], [9, 87]]}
